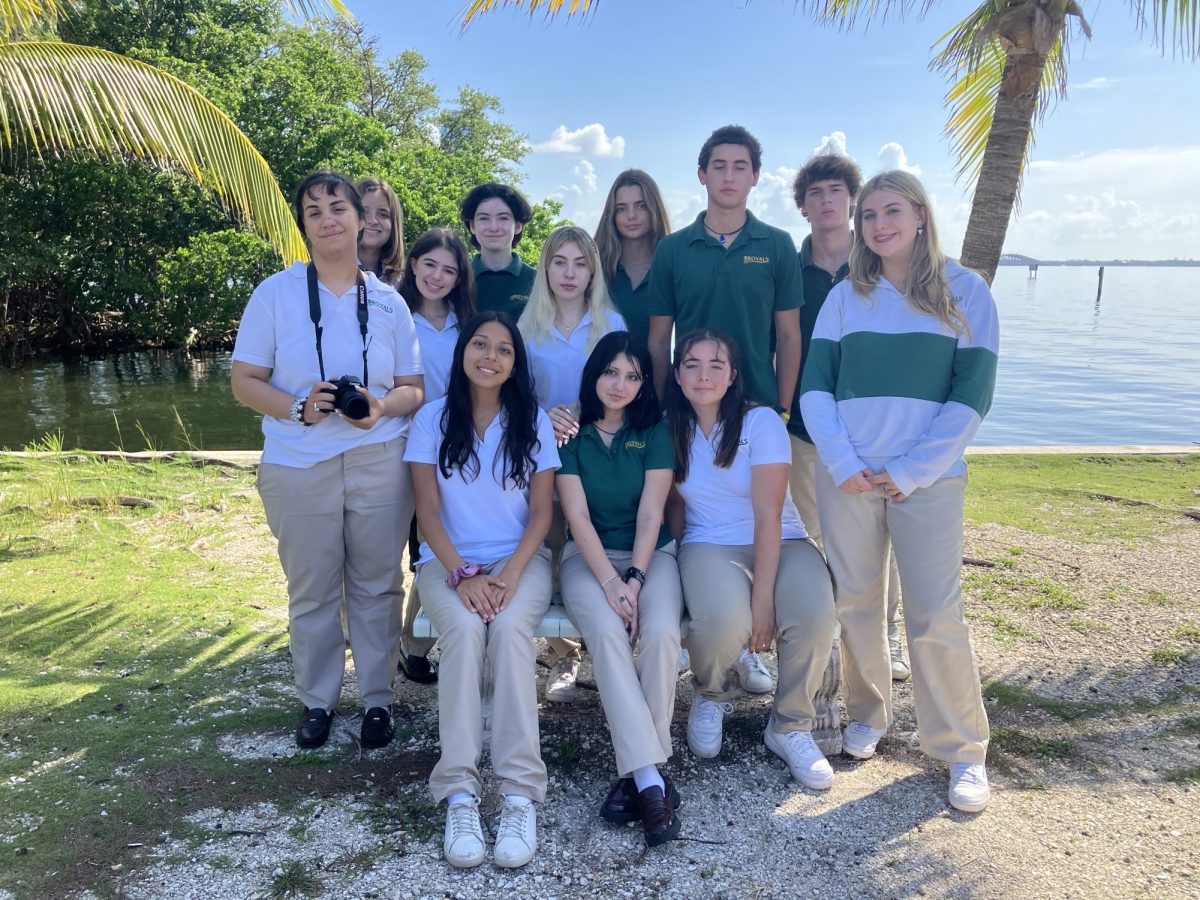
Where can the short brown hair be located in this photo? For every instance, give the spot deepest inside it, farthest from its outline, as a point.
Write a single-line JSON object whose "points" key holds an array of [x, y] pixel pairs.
{"points": [[732, 134], [827, 167]]}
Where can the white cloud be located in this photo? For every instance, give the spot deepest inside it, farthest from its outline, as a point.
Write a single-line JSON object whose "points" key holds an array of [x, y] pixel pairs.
{"points": [[1096, 84], [587, 172], [590, 140], [834, 143], [892, 156]]}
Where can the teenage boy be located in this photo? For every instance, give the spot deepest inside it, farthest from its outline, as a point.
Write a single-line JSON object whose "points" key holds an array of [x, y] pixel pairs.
{"points": [[824, 192], [496, 216], [729, 271]]}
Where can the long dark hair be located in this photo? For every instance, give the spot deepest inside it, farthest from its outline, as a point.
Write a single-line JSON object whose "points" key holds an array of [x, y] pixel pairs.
{"points": [[681, 418], [643, 410], [461, 298], [518, 405]]}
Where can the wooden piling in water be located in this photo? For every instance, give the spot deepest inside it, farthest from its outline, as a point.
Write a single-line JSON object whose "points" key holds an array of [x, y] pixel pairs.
{"points": [[1100, 284]]}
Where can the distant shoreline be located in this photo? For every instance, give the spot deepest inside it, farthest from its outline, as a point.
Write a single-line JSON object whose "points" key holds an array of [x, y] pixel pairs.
{"points": [[1123, 263]]}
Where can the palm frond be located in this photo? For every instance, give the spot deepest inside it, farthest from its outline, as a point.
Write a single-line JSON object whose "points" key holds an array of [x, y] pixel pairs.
{"points": [[846, 14], [18, 17], [62, 98], [473, 9], [316, 9], [1176, 24]]}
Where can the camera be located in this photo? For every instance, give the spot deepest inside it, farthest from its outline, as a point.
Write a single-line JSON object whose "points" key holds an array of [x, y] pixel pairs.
{"points": [[348, 401]]}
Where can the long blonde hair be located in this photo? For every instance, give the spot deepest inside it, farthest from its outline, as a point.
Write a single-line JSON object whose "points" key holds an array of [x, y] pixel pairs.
{"points": [[608, 239], [391, 254], [537, 319], [926, 288]]}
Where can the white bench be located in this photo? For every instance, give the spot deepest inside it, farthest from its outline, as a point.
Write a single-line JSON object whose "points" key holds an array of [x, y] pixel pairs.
{"points": [[555, 624]]}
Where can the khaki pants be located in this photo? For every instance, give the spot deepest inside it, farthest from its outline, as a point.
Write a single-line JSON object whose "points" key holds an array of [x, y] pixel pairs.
{"points": [[716, 588], [413, 646], [340, 525], [926, 534], [468, 647], [556, 539], [803, 482], [638, 693]]}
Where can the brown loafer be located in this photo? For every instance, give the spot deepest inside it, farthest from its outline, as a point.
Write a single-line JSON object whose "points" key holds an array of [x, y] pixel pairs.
{"points": [[621, 805], [660, 823]]}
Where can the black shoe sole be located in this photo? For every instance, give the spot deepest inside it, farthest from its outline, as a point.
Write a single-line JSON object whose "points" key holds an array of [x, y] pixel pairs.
{"points": [[314, 743], [669, 834], [402, 668], [375, 743], [635, 815]]}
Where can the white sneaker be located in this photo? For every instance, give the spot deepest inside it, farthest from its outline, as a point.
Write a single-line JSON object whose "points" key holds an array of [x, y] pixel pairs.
{"points": [[560, 683], [753, 673], [704, 726], [798, 749], [900, 667], [685, 661], [969, 789], [516, 838], [859, 740], [463, 844]]}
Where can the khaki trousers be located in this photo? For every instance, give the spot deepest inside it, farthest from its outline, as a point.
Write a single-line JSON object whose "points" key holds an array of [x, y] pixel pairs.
{"points": [[413, 646], [556, 539], [926, 532], [803, 482], [638, 693], [716, 588], [468, 648], [340, 525]]}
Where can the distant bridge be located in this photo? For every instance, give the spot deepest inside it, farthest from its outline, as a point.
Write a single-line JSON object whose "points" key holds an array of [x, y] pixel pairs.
{"points": [[1016, 259]]}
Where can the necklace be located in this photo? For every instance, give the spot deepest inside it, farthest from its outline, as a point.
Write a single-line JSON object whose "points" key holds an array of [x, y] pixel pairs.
{"points": [[605, 430], [721, 238]]}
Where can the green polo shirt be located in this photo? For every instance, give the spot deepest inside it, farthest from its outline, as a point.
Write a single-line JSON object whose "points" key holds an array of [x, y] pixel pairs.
{"points": [[613, 478], [738, 290], [817, 285], [631, 303], [502, 290]]}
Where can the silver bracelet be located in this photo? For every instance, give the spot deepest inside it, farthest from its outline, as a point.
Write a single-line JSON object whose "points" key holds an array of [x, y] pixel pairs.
{"points": [[609, 580]]}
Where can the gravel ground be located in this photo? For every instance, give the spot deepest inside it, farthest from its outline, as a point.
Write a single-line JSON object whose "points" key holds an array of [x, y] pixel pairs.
{"points": [[1083, 804]]}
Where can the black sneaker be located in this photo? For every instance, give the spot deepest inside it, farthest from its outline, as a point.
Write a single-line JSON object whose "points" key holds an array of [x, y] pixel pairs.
{"points": [[418, 668], [313, 730], [377, 728]]}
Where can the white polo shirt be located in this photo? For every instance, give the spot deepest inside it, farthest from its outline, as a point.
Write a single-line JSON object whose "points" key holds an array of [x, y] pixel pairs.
{"points": [[557, 361], [483, 518], [276, 333], [718, 508], [437, 352]]}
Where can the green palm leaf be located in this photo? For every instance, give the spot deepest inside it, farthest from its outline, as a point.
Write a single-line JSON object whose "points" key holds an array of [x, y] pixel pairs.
{"points": [[475, 8], [57, 97]]}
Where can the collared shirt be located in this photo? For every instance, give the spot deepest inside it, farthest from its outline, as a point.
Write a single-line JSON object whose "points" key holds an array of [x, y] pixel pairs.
{"points": [[483, 516], [503, 290], [718, 508], [613, 478], [437, 352], [817, 285], [557, 360], [276, 333], [630, 301], [701, 284]]}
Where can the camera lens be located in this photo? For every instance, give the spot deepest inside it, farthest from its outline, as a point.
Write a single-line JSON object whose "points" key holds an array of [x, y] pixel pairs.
{"points": [[354, 405]]}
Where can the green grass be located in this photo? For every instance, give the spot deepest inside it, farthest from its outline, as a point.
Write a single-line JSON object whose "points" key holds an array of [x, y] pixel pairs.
{"points": [[1007, 695], [1165, 656], [1021, 743], [1188, 633], [1006, 628], [294, 880], [1062, 495], [1184, 775], [1023, 592]]}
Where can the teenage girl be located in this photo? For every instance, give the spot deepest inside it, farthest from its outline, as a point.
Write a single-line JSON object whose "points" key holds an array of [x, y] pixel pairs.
{"points": [[381, 242]]}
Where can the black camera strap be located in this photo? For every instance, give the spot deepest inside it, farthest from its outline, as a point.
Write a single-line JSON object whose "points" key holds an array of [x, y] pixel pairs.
{"points": [[314, 313]]}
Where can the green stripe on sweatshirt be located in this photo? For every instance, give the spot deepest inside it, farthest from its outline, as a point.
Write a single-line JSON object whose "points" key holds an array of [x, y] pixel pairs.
{"points": [[914, 364], [821, 366], [974, 378]]}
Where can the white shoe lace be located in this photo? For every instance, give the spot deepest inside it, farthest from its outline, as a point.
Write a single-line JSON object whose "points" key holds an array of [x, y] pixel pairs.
{"points": [[968, 775], [711, 712], [753, 663], [464, 821], [512, 821], [802, 742]]}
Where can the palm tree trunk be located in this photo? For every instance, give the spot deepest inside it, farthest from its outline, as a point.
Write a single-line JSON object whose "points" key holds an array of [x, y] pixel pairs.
{"points": [[1000, 173]]}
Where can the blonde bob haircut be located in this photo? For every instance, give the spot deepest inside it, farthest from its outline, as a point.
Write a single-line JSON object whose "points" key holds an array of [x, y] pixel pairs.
{"points": [[608, 239], [537, 319], [391, 254], [927, 286]]}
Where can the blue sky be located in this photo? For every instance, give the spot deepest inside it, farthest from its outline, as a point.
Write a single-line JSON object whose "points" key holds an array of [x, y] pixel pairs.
{"points": [[1116, 168]]}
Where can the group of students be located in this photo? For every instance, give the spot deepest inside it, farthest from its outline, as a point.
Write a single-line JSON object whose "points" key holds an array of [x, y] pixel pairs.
{"points": [[617, 420]]}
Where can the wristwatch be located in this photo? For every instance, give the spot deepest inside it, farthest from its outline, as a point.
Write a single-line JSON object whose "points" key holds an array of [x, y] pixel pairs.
{"points": [[297, 411], [635, 572]]}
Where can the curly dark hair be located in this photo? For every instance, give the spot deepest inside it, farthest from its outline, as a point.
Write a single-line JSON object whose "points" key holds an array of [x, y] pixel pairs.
{"points": [[329, 183], [827, 167], [521, 210]]}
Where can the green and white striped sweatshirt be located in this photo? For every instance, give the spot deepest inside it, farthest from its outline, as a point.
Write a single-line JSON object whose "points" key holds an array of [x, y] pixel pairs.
{"points": [[885, 386]]}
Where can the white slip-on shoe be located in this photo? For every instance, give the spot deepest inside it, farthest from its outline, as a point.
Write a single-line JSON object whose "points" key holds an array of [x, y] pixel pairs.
{"points": [[704, 729], [560, 683], [516, 836], [463, 844], [859, 740], [802, 755], [969, 789], [753, 673], [685, 661], [900, 668]]}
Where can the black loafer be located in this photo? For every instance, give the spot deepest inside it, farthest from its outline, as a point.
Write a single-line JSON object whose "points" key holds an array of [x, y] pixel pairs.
{"points": [[417, 668], [659, 821], [313, 730], [377, 728], [622, 806]]}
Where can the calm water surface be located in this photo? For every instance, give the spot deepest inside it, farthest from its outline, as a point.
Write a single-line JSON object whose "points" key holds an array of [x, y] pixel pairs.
{"points": [[1126, 370]]}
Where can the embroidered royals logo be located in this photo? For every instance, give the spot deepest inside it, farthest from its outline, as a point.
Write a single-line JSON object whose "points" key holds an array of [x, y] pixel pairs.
{"points": [[756, 259], [634, 445], [378, 305]]}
